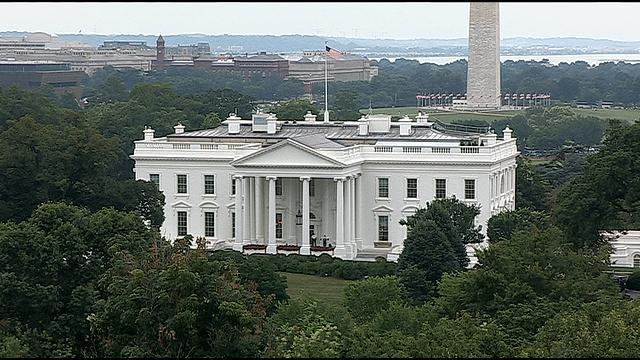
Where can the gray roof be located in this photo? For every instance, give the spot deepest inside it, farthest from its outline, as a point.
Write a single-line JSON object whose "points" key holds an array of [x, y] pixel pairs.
{"points": [[322, 136]]}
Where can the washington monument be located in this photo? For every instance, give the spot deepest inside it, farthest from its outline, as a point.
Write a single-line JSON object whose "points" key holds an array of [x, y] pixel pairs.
{"points": [[483, 73]]}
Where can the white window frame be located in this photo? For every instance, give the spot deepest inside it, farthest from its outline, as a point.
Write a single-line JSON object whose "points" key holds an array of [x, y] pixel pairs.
{"points": [[178, 222], [435, 187], [378, 197], [475, 188], [634, 258], [388, 216], [406, 186], [178, 193], [215, 227], [204, 185]]}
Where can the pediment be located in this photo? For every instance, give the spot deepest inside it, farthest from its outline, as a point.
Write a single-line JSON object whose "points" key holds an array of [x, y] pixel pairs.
{"points": [[409, 209], [209, 204], [382, 209], [181, 204], [287, 153]]}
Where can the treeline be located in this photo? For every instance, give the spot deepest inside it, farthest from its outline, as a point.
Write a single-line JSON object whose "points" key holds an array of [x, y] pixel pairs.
{"points": [[400, 81]]}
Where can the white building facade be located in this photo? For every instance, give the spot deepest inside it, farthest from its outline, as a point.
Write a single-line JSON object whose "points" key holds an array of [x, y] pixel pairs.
{"points": [[310, 187]]}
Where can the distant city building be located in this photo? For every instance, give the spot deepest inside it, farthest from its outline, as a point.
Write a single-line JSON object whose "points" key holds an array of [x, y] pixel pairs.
{"points": [[261, 65], [194, 50], [33, 74], [348, 68], [123, 44]]}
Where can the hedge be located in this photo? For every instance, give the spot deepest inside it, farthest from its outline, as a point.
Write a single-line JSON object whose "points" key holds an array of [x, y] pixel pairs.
{"points": [[633, 282], [323, 265]]}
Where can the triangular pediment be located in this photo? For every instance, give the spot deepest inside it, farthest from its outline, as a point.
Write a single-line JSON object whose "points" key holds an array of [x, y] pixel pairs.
{"points": [[382, 209], [287, 153], [181, 204]]}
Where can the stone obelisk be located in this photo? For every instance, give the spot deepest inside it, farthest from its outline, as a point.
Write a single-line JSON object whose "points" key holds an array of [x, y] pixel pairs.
{"points": [[483, 73]]}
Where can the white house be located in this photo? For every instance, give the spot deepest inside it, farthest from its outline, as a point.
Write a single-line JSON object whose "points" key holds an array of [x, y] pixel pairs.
{"points": [[626, 246], [256, 185]]}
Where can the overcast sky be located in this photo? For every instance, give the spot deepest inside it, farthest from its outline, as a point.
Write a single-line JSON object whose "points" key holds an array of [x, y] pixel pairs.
{"points": [[616, 21]]}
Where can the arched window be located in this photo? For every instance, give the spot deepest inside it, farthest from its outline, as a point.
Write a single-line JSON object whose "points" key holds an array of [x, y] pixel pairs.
{"points": [[636, 260]]}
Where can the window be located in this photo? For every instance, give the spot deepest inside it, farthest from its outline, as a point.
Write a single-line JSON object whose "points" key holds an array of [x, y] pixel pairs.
{"points": [[469, 189], [155, 178], [279, 186], [182, 223], [233, 224], [312, 188], [383, 187], [412, 188], [441, 188], [383, 228], [182, 184], [209, 224], [278, 225], [209, 184], [233, 186], [502, 184], [636, 260]]}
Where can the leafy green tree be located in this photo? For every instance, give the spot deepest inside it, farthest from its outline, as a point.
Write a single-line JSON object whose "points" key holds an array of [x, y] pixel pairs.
{"points": [[366, 298], [607, 196], [310, 335], [294, 109], [173, 301], [503, 225], [531, 188], [49, 266], [435, 245]]}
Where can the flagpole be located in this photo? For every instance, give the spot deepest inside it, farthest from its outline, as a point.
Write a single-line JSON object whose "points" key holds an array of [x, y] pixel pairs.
{"points": [[326, 93]]}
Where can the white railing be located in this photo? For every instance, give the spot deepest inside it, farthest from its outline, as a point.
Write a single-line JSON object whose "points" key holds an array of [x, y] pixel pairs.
{"points": [[411, 149], [181, 146], [383, 149], [209, 146], [441, 150], [470, 150]]}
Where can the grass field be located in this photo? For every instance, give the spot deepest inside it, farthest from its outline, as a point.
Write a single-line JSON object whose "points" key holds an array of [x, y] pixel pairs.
{"points": [[628, 115], [327, 290]]}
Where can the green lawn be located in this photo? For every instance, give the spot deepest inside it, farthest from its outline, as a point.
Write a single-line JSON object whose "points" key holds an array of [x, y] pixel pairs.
{"points": [[324, 289], [629, 115]]}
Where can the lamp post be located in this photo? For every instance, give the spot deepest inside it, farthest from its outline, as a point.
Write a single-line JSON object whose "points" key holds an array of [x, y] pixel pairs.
{"points": [[299, 218]]}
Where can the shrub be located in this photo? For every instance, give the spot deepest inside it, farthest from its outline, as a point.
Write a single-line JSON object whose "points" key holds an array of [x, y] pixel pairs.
{"points": [[633, 282]]}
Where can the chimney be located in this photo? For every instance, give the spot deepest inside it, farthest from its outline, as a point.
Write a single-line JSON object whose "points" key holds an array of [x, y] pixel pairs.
{"points": [[309, 117], [507, 133], [179, 128], [363, 126], [271, 124], [233, 123], [405, 126], [148, 133], [422, 118]]}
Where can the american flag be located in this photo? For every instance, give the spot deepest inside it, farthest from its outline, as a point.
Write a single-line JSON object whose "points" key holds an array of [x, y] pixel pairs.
{"points": [[333, 53]]}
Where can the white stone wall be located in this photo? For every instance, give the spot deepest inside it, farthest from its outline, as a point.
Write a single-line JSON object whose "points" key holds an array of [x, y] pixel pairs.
{"points": [[483, 74]]}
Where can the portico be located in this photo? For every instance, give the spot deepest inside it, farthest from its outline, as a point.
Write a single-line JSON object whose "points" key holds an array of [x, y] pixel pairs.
{"points": [[300, 183]]}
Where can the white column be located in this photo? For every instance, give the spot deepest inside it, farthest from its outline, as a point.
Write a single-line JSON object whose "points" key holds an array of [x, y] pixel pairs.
{"points": [[340, 250], [252, 209], [271, 247], [358, 212], [305, 248], [326, 209], [352, 218], [237, 243], [246, 218], [291, 192], [259, 213], [347, 216]]}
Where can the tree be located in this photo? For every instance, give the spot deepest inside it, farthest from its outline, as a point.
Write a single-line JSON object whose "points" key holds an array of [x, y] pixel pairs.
{"points": [[607, 196], [435, 245], [365, 298], [49, 266], [502, 226], [173, 301], [531, 188], [294, 110]]}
